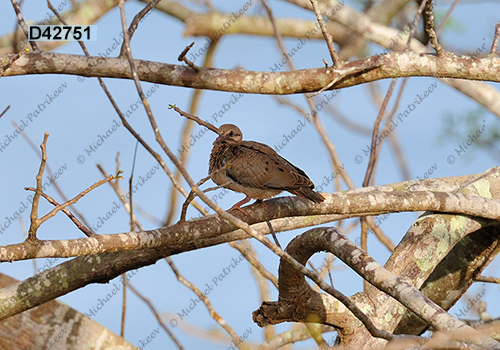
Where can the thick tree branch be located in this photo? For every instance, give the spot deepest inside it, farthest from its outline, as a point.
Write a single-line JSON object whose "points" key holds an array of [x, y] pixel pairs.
{"points": [[352, 203], [379, 67], [37, 328], [453, 276]]}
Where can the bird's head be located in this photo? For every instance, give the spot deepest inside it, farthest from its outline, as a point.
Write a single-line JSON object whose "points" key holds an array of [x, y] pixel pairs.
{"points": [[229, 133]]}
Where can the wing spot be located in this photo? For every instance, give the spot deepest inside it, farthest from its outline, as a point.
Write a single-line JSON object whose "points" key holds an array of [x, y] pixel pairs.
{"points": [[266, 169], [281, 170]]}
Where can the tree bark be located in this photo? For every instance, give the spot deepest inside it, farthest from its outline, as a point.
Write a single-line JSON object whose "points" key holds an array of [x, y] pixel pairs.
{"points": [[56, 326]]}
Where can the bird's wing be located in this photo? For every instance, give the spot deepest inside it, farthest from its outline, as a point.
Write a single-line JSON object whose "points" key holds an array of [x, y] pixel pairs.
{"points": [[258, 165]]}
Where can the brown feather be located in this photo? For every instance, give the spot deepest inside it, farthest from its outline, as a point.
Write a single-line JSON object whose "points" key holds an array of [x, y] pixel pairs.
{"points": [[309, 194]]}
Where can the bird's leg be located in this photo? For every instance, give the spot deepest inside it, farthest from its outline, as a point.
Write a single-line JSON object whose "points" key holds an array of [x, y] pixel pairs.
{"points": [[261, 201], [240, 203]]}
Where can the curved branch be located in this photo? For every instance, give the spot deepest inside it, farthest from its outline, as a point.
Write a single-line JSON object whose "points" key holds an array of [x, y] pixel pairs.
{"points": [[293, 284]]}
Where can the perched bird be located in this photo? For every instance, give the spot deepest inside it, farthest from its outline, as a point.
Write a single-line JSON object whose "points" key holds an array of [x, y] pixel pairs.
{"points": [[255, 169]]}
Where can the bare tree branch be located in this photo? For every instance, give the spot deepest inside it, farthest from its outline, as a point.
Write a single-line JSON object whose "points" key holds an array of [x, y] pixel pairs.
{"points": [[390, 65], [352, 203]]}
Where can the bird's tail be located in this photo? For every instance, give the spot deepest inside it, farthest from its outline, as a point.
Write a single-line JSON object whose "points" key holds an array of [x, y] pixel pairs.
{"points": [[306, 192]]}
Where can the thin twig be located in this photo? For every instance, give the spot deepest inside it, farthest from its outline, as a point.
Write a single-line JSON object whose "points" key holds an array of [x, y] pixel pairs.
{"points": [[337, 164], [381, 236], [35, 222], [400, 158], [192, 195], [195, 118], [74, 200], [132, 225], [271, 230], [386, 126], [157, 315], [347, 122], [488, 279], [494, 44], [4, 111], [287, 102], [446, 16], [222, 322], [429, 28], [66, 211], [83, 225], [251, 257], [416, 20], [132, 228], [392, 135], [182, 57], [186, 134], [23, 25], [15, 37], [369, 171], [114, 185], [373, 149], [135, 22], [263, 287], [124, 305], [328, 37], [277, 34]]}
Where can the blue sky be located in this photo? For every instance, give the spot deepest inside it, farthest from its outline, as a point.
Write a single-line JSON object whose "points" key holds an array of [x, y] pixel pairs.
{"points": [[78, 117]]}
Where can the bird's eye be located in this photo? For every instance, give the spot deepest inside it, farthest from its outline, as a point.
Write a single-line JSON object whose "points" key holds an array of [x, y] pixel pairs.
{"points": [[231, 133]]}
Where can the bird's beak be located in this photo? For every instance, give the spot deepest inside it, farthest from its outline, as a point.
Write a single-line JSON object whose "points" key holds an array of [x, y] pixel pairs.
{"points": [[221, 138]]}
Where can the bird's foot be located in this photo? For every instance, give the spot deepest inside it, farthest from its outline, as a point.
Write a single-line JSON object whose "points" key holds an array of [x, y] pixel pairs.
{"points": [[240, 209], [239, 204]]}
